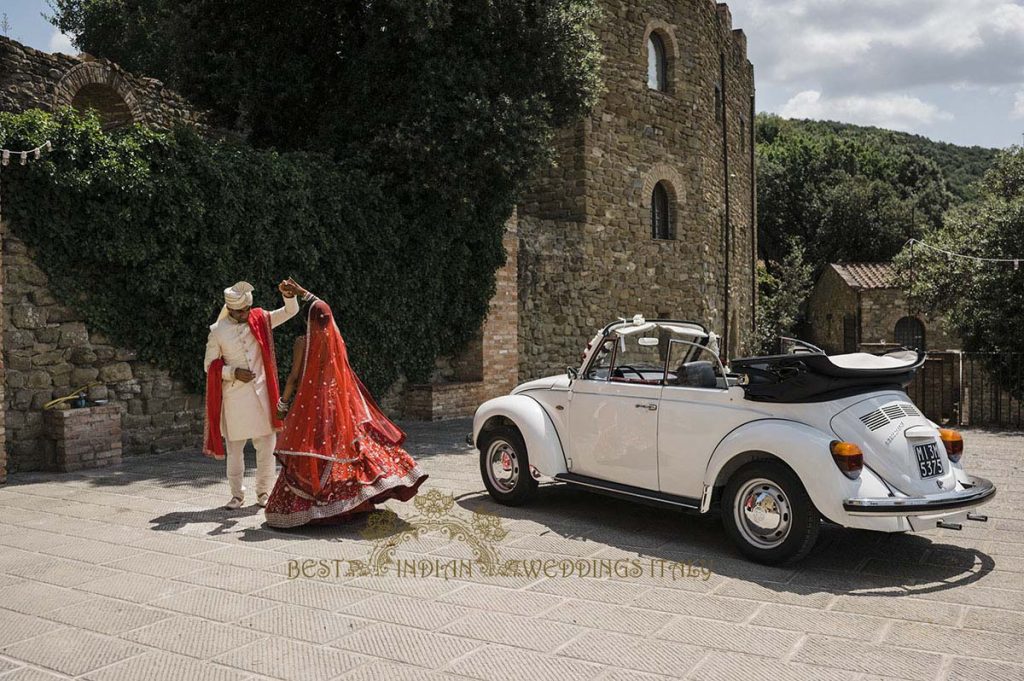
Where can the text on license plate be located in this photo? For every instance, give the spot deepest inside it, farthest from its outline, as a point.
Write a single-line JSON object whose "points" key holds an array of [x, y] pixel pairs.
{"points": [[928, 461]]}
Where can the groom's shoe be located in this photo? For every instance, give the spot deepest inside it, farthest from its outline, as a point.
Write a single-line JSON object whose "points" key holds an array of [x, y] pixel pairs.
{"points": [[235, 503], [262, 499]]}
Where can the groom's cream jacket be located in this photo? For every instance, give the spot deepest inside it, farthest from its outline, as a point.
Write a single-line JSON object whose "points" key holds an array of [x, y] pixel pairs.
{"points": [[246, 411]]}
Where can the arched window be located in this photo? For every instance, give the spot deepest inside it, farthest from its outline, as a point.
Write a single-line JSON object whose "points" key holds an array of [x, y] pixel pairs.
{"points": [[660, 226], [656, 69], [910, 333]]}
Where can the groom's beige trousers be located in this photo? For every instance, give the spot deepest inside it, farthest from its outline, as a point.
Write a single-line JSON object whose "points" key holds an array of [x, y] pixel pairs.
{"points": [[264, 464]]}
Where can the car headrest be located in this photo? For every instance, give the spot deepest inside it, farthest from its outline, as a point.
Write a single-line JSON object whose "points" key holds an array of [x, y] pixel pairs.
{"points": [[699, 374]]}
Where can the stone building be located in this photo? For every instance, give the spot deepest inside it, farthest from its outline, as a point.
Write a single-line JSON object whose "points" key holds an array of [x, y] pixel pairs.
{"points": [[649, 209], [857, 306], [651, 206]]}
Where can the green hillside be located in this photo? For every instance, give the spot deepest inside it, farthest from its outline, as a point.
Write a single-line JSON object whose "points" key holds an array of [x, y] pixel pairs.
{"points": [[961, 166]]}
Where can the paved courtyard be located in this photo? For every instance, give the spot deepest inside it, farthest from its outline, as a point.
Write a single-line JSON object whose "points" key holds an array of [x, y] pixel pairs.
{"points": [[134, 573]]}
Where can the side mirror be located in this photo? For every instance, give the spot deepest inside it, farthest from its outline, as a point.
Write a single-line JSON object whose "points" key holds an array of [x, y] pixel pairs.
{"points": [[572, 373]]}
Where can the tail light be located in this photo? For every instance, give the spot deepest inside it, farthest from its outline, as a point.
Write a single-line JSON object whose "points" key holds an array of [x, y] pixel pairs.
{"points": [[954, 443], [848, 457]]}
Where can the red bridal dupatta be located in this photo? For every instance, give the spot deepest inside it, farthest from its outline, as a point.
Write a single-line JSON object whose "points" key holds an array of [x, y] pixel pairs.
{"points": [[339, 451], [213, 440]]}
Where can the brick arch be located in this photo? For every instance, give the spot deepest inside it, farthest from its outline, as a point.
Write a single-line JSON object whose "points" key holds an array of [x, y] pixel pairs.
{"points": [[670, 178], [667, 33], [662, 172], [97, 85]]}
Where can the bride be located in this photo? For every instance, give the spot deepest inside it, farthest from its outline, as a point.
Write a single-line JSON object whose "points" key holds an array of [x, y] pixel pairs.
{"points": [[340, 454]]}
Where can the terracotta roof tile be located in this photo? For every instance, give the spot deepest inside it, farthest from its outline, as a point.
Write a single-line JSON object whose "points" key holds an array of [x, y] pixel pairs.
{"points": [[866, 275]]}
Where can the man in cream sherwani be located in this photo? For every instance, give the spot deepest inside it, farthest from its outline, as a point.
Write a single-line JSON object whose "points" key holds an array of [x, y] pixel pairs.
{"points": [[246, 408]]}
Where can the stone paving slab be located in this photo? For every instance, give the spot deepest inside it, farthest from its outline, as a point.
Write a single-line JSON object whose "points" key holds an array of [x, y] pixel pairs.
{"points": [[135, 572]]}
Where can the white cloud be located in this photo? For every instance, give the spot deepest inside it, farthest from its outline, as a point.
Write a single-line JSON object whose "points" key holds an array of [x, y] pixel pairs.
{"points": [[869, 46], [898, 112], [61, 42], [1018, 105]]}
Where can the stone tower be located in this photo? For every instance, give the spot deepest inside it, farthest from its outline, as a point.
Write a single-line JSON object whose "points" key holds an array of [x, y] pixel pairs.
{"points": [[651, 206]]}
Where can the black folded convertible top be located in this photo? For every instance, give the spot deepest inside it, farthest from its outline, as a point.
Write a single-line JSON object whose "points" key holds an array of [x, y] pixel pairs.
{"points": [[814, 377]]}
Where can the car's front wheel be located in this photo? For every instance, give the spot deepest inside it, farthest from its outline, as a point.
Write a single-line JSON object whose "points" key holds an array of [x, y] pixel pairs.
{"points": [[505, 466], [766, 511]]}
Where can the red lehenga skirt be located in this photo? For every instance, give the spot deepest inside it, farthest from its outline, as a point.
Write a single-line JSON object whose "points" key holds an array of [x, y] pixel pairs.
{"points": [[382, 471], [340, 454]]}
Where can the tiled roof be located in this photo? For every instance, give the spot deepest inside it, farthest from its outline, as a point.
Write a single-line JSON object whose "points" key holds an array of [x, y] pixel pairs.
{"points": [[864, 275]]}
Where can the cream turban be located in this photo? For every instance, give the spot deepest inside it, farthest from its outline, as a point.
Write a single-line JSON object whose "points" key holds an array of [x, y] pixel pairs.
{"points": [[238, 297]]}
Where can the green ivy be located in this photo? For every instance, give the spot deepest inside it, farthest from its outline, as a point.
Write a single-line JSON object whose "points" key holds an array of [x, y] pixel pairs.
{"points": [[141, 231]]}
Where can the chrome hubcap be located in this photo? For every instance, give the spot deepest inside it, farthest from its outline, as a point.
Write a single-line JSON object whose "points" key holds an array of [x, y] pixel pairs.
{"points": [[503, 465], [762, 513]]}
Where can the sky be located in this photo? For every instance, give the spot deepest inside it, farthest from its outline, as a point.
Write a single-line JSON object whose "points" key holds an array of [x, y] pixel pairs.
{"points": [[951, 70]]}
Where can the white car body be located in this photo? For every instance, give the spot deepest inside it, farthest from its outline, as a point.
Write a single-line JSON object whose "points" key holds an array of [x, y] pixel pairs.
{"points": [[678, 444]]}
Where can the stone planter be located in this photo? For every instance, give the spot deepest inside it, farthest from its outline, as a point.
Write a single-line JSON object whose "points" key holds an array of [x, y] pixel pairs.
{"points": [[437, 401], [89, 437]]}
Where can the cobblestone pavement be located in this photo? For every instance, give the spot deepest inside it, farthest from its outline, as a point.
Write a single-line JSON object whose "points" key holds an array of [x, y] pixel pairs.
{"points": [[134, 573]]}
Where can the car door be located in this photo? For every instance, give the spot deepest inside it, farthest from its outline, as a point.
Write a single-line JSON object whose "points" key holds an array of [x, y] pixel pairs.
{"points": [[696, 411], [613, 414]]}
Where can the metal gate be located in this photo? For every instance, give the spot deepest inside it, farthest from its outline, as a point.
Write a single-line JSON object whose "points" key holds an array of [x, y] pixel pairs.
{"points": [[958, 388]]}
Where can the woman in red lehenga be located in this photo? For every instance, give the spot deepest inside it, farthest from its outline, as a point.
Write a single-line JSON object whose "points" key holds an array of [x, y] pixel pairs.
{"points": [[340, 454]]}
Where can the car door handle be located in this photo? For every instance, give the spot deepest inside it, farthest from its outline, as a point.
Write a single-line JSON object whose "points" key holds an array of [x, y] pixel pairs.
{"points": [[651, 407]]}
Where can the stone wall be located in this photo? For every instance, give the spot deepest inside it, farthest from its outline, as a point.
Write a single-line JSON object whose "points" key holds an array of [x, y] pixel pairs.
{"points": [[882, 308], [48, 352], [831, 301], [30, 79], [587, 254]]}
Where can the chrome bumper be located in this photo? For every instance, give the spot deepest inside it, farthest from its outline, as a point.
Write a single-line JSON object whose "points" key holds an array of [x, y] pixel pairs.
{"points": [[980, 491]]}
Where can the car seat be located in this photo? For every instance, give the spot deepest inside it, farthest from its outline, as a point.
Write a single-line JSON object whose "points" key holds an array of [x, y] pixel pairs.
{"points": [[699, 374]]}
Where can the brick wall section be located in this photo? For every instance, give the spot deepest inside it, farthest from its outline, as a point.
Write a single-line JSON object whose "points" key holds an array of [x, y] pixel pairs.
{"points": [[488, 366], [84, 438], [586, 251], [30, 79], [48, 351]]}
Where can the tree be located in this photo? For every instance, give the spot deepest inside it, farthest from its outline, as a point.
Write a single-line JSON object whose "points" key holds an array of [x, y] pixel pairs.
{"points": [[780, 296], [844, 198], [983, 302], [444, 107]]}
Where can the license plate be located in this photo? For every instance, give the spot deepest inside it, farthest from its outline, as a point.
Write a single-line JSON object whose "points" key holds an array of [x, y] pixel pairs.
{"points": [[928, 461]]}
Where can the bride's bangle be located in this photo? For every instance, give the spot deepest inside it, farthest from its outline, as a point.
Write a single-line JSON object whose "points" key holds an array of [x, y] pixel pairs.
{"points": [[282, 405], [307, 296]]}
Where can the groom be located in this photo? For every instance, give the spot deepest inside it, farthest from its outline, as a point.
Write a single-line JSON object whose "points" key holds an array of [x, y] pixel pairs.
{"points": [[241, 385]]}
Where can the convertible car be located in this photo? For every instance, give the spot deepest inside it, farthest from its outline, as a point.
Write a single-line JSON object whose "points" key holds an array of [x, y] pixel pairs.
{"points": [[776, 444]]}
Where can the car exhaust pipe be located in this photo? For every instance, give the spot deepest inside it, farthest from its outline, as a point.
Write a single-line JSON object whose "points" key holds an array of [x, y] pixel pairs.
{"points": [[949, 526], [978, 517]]}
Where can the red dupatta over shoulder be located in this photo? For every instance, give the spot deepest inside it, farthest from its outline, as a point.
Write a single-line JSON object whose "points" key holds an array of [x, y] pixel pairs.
{"points": [[333, 411], [213, 441]]}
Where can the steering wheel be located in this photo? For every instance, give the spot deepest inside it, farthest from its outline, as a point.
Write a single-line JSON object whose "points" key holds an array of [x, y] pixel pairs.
{"points": [[622, 367]]}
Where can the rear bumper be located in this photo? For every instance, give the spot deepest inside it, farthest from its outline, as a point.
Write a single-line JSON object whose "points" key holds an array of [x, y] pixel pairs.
{"points": [[980, 492]]}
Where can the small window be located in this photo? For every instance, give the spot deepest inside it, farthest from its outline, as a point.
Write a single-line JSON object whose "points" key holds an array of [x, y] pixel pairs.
{"points": [[693, 367], [743, 134], [910, 333], [656, 67], [660, 226], [639, 358]]}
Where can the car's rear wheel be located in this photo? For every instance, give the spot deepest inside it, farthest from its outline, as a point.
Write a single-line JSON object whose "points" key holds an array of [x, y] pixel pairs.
{"points": [[505, 466], [766, 511]]}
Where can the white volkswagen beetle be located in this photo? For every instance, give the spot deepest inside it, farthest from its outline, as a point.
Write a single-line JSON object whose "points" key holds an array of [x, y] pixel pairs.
{"points": [[777, 443]]}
